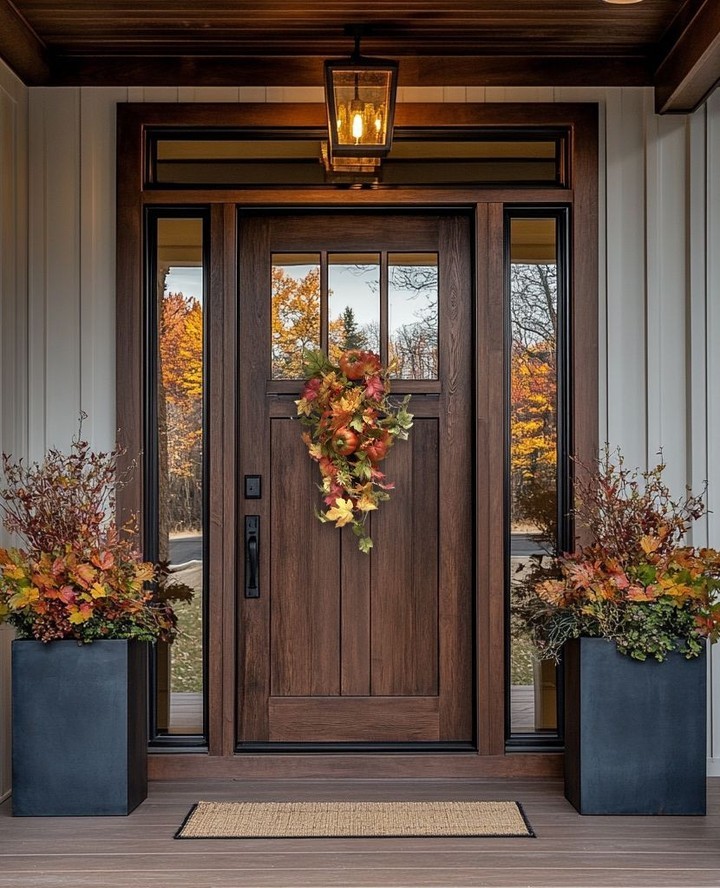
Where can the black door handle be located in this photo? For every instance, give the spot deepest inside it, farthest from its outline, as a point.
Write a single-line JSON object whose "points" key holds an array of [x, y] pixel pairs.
{"points": [[252, 553]]}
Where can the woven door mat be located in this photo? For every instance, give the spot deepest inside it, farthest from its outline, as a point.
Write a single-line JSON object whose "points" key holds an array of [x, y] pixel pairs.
{"points": [[296, 820]]}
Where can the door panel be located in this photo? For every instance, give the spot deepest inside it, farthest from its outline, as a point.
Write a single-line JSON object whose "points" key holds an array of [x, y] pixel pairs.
{"points": [[304, 575], [341, 646], [404, 587]]}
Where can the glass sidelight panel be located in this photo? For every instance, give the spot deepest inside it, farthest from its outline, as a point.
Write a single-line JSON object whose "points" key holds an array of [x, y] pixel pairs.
{"points": [[535, 309], [353, 302], [175, 530], [295, 311], [413, 321]]}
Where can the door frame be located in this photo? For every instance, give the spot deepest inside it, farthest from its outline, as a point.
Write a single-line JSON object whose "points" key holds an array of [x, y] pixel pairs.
{"points": [[487, 206]]}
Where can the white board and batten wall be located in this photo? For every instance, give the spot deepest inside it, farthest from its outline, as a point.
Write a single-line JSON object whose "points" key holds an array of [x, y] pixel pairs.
{"points": [[659, 274], [13, 327]]}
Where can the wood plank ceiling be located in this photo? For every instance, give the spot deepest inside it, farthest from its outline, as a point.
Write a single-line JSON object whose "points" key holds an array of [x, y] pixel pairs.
{"points": [[671, 44]]}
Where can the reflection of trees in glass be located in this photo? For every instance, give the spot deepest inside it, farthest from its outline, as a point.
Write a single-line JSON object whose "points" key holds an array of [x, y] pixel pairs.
{"points": [[180, 414], [414, 345], [295, 320], [533, 431], [345, 333], [533, 419]]}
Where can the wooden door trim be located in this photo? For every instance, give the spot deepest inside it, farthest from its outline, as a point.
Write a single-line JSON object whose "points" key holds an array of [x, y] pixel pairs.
{"points": [[582, 197], [378, 765]]}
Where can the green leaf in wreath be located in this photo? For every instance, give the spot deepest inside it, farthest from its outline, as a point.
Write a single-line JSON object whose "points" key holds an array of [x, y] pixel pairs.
{"points": [[315, 363], [365, 544]]}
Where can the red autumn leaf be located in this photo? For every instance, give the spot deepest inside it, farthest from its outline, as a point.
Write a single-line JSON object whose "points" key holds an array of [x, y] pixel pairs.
{"points": [[103, 560], [375, 388]]}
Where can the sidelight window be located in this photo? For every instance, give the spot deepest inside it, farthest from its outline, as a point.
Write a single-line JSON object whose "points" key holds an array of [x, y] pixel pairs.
{"points": [[537, 422], [175, 462]]}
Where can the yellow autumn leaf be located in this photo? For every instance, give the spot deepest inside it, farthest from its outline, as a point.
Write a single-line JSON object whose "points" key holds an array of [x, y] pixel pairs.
{"points": [[315, 451], [14, 572], [85, 574], [649, 544], [97, 590], [79, 615], [341, 513], [673, 588], [304, 407], [144, 571], [349, 402], [367, 501], [23, 597]]}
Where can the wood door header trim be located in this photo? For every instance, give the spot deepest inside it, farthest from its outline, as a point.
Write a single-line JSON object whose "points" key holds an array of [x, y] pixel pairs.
{"points": [[390, 199], [312, 114]]}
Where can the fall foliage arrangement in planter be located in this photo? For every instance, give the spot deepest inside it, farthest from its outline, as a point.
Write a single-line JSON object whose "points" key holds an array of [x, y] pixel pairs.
{"points": [[78, 576], [351, 424], [637, 582]]}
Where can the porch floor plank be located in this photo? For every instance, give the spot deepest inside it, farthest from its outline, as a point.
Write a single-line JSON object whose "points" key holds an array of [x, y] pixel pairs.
{"points": [[584, 852]]}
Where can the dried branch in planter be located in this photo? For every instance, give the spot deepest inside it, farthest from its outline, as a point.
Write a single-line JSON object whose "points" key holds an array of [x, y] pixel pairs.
{"points": [[78, 578], [637, 583]]}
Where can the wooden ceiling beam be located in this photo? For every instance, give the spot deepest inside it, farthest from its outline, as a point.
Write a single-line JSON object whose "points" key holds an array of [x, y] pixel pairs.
{"points": [[21, 48], [689, 67], [308, 71]]}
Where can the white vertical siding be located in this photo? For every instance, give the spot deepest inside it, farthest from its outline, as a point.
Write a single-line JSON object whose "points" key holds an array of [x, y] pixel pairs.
{"points": [[13, 327], [659, 280], [710, 423], [96, 288], [624, 261]]}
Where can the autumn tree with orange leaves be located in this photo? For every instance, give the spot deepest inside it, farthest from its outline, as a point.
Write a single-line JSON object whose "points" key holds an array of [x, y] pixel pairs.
{"points": [[180, 413], [533, 396]]}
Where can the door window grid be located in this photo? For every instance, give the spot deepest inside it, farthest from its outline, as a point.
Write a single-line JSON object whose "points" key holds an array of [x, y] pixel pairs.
{"points": [[386, 303]]}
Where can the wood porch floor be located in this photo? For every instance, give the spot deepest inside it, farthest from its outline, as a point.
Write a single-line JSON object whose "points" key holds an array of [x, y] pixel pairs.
{"points": [[139, 852]]}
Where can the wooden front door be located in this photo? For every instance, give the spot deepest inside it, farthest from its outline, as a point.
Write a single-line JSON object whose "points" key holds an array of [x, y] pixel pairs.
{"points": [[336, 646]]}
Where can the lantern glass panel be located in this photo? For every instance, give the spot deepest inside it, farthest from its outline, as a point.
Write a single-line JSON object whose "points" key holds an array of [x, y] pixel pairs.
{"points": [[361, 100]]}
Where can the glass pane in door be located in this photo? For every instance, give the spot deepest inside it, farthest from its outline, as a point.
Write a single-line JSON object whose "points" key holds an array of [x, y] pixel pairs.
{"points": [[295, 311], [413, 321], [353, 302]]}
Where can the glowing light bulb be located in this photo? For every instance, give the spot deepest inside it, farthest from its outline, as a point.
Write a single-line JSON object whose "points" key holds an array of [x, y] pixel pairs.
{"points": [[357, 126]]}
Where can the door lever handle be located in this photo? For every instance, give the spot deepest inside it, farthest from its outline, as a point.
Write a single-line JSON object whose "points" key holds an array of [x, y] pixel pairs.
{"points": [[252, 553]]}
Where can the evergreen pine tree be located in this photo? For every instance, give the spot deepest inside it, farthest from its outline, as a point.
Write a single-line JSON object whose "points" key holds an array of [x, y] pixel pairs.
{"points": [[354, 336]]}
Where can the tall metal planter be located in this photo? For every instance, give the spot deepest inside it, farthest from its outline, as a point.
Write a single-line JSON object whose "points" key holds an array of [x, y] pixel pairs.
{"points": [[635, 732], [79, 727]]}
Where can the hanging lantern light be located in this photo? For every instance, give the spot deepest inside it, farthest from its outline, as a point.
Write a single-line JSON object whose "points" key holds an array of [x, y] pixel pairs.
{"points": [[360, 98]]}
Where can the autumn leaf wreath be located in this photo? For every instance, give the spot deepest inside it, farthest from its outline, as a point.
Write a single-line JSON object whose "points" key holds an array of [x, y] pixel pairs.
{"points": [[350, 426]]}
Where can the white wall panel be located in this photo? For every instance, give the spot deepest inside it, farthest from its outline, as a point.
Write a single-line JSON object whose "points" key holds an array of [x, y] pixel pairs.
{"points": [[208, 94], [659, 286], [711, 213], [54, 286], [667, 297], [624, 263], [13, 327], [97, 263]]}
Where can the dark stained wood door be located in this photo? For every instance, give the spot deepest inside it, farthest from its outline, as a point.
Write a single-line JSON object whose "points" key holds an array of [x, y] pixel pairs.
{"points": [[342, 647]]}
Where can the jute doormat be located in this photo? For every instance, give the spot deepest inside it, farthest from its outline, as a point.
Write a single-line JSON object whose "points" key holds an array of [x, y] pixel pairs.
{"points": [[295, 820]]}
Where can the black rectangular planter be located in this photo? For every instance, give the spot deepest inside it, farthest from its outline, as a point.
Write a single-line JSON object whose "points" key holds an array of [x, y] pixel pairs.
{"points": [[79, 727], [635, 732]]}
